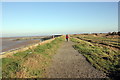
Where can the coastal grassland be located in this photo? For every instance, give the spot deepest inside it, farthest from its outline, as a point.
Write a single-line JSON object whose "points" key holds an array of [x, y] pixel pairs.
{"points": [[101, 57], [30, 63], [105, 40]]}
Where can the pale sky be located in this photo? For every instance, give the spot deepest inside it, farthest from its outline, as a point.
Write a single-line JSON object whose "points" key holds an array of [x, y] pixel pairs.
{"points": [[38, 18]]}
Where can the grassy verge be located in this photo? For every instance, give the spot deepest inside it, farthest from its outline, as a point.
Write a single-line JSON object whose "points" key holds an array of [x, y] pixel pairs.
{"points": [[30, 63], [101, 57], [109, 41]]}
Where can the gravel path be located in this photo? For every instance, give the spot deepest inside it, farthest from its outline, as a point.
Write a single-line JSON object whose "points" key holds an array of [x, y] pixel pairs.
{"points": [[68, 63]]}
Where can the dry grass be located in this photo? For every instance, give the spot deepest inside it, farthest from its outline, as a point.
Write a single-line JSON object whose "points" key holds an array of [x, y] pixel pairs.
{"points": [[30, 63], [102, 57]]}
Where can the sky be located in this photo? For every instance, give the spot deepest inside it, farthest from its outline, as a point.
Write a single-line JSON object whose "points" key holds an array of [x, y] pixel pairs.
{"points": [[44, 18]]}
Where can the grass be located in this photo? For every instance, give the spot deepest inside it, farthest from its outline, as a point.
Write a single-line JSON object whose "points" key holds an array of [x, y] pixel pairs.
{"points": [[101, 57], [110, 41], [30, 63]]}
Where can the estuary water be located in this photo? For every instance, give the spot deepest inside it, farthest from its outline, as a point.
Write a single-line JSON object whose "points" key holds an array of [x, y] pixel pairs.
{"points": [[10, 43]]}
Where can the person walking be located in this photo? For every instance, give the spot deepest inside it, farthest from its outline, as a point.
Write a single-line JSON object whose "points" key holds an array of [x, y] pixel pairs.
{"points": [[67, 37]]}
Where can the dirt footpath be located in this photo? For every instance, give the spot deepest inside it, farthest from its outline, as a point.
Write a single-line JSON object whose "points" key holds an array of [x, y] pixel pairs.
{"points": [[68, 63]]}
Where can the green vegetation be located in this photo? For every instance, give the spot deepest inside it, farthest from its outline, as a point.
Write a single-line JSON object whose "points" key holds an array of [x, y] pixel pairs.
{"points": [[29, 38], [101, 57], [106, 40], [30, 63]]}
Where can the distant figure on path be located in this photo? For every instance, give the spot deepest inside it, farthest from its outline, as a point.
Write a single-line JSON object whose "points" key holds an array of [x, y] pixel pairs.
{"points": [[52, 36], [67, 37]]}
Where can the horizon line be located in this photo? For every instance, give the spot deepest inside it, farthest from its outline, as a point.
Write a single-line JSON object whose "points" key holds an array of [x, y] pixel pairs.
{"points": [[54, 34]]}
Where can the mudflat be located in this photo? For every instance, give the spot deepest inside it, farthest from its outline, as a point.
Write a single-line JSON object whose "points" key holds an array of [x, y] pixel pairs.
{"points": [[10, 43]]}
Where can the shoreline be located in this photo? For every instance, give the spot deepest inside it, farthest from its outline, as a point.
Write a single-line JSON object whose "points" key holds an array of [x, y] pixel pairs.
{"points": [[16, 42], [23, 48], [18, 45]]}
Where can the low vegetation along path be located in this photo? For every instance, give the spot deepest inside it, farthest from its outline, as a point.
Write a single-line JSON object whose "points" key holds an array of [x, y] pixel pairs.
{"points": [[68, 63]]}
